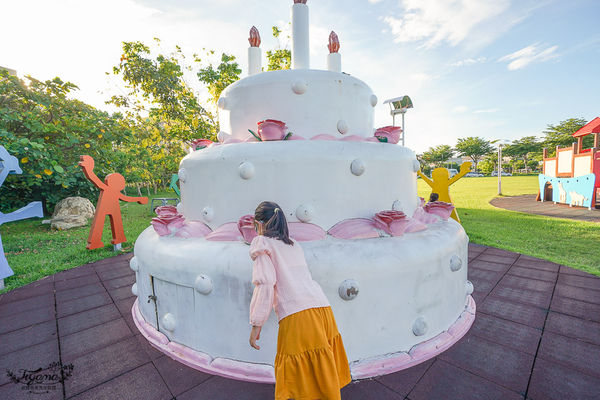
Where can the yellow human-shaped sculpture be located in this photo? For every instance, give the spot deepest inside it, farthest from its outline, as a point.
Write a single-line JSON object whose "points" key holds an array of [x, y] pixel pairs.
{"points": [[441, 181]]}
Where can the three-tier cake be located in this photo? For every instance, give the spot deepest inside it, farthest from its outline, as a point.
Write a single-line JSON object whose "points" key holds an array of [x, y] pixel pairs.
{"points": [[393, 269]]}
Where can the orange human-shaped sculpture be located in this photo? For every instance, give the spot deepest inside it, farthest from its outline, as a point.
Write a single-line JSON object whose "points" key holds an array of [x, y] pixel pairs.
{"points": [[108, 204]]}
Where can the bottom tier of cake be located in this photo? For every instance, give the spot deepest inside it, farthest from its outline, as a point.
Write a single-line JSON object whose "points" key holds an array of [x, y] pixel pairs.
{"points": [[397, 301]]}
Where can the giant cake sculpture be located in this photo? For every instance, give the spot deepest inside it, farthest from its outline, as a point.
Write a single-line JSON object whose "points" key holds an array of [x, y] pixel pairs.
{"points": [[393, 269]]}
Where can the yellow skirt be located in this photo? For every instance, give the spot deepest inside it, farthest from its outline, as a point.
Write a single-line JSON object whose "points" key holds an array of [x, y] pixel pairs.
{"points": [[311, 360]]}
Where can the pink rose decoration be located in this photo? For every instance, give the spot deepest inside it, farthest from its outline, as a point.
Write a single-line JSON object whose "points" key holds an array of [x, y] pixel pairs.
{"points": [[167, 221], [246, 227], [439, 208], [271, 129], [424, 217], [392, 222], [199, 144], [388, 134]]}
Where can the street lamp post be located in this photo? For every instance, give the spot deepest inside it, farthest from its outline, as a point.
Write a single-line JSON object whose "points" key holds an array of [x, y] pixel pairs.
{"points": [[399, 105], [499, 169], [500, 143]]}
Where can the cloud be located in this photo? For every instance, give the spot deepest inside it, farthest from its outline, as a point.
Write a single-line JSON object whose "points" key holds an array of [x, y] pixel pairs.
{"points": [[460, 109], [530, 54], [375, 1], [486, 110], [469, 61], [434, 21]]}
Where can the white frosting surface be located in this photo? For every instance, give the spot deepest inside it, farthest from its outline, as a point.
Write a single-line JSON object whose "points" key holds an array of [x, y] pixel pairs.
{"points": [[322, 182], [407, 290], [330, 97]]}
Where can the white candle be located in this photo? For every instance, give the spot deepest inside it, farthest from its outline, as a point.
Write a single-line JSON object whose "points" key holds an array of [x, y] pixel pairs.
{"points": [[254, 60], [300, 43]]}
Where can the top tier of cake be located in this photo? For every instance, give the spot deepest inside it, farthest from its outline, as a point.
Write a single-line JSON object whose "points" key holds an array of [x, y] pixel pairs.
{"points": [[310, 102]]}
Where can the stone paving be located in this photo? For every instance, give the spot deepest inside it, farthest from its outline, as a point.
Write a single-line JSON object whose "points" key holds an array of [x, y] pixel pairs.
{"points": [[536, 335], [527, 204]]}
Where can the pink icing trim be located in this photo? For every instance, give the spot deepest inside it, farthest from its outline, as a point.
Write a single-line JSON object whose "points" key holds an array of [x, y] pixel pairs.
{"points": [[250, 372], [354, 228], [296, 137], [420, 352], [263, 373], [352, 138], [228, 232], [415, 226], [304, 232], [372, 139], [232, 140], [193, 229], [323, 136]]}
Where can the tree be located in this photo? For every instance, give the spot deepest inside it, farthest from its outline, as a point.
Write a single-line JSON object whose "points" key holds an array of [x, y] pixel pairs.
{"points": [[522, 148], [47, 132], [438, 155], [218, 79], [473, 147], [561, 135], [165, 107], [279, 58], [158, 89]]}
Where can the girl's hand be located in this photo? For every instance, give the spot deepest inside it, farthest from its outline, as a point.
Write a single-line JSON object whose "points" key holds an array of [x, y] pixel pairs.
{"points": [[254, 336]]}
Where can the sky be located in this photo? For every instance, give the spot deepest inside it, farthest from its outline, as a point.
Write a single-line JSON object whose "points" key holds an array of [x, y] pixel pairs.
{"points": [[498, 69]]}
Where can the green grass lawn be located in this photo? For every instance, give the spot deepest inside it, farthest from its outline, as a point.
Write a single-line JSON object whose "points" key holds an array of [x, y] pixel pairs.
{"points": [[34, 250], [568, 242]]}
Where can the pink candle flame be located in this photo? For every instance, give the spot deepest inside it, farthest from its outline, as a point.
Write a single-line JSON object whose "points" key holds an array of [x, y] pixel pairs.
{"points": [[254, 38], [334, 43]]}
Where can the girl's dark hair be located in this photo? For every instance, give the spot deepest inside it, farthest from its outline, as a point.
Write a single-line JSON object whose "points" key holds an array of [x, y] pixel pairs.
{"points": [[434, 197], [275, 224]]}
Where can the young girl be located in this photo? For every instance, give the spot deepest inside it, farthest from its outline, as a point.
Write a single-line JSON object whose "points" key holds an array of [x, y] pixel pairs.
{"points": [[311, 361]]}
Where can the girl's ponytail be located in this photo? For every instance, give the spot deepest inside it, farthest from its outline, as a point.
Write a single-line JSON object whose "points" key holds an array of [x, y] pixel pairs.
{"points": [[274, 221]]}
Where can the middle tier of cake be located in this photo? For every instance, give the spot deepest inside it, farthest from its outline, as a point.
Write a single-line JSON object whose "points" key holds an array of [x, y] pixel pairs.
{"points": [[315, 181]]}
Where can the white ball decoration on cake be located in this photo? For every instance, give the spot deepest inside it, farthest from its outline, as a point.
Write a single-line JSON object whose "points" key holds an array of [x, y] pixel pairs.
{"points": [[357, 167], [169, 322], [305, 212], [373, 100], [203, 284], [416, 165], [419, 326], [469, 287], [133, 264], [246, 170], [342, 126], [397, 205], [134, 289], [348, 289], [299, 86], [207, 213], [455, 263], [181, 174]]}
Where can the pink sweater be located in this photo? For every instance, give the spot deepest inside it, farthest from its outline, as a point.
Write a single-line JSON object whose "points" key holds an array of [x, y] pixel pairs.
{"points": [[282, 280]]}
